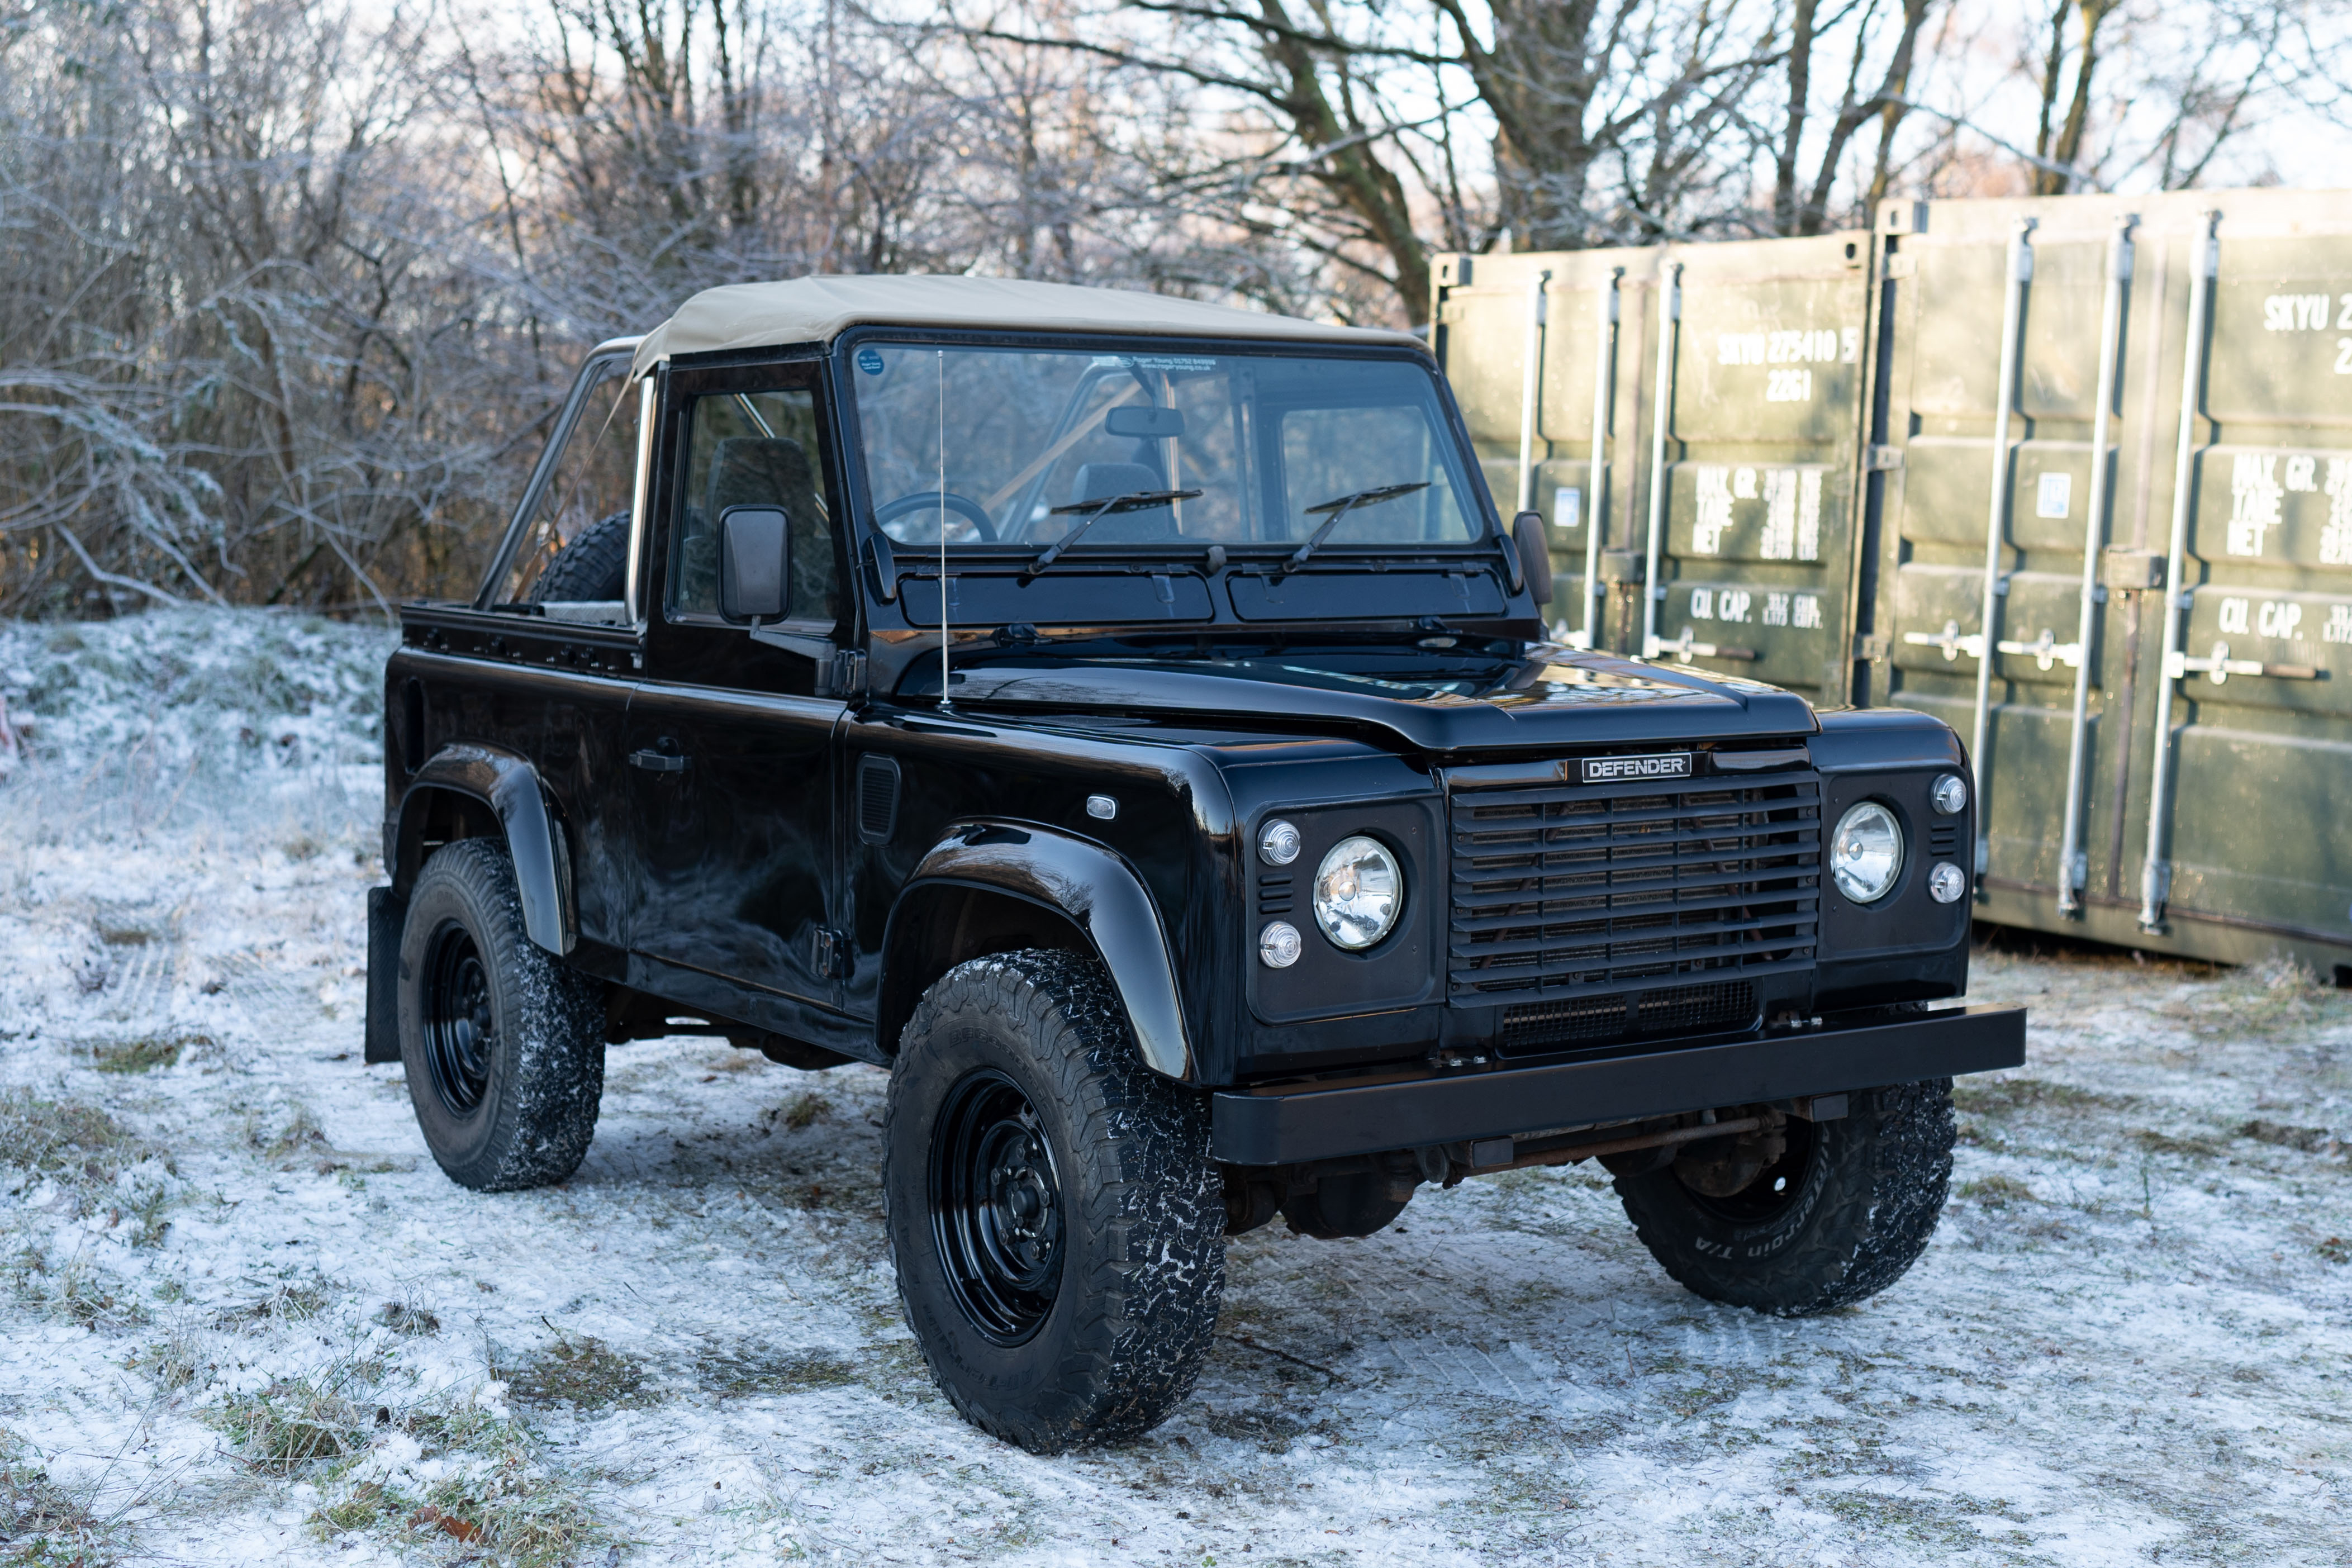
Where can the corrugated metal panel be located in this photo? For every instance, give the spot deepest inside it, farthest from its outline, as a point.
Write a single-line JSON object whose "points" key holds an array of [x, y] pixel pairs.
{"points": [[2216, 328], [1720, 388]]}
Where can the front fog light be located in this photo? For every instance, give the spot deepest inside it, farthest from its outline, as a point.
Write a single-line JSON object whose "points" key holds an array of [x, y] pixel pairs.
{"points": [[1358, 892], [1946, 882], [1866, 852], [1278, 944]]}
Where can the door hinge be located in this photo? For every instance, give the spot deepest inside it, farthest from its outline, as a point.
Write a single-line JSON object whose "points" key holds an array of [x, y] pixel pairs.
{"points": [[842, 675], [832, 956]]}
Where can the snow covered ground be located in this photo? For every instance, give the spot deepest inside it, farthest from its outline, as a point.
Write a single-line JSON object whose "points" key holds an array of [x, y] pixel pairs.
{"points": [[243, 1319]]}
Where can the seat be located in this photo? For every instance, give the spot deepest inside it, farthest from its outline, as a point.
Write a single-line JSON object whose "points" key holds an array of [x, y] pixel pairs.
{"points": [[1100, 481], [761, 470]]}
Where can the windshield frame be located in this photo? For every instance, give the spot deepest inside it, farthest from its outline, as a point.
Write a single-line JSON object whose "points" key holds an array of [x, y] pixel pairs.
{"points": [[1459, 458]]}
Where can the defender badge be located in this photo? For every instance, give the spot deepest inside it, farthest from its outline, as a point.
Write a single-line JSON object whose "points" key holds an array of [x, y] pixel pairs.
{"points": [[1609, 770]]}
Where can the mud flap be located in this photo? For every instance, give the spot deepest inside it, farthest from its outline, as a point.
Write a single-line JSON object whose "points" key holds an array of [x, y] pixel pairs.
{"points": [[388, 912]]}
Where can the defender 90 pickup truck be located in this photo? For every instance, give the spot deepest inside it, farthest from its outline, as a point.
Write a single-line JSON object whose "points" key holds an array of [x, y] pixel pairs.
{"points": [[1128, 722]]}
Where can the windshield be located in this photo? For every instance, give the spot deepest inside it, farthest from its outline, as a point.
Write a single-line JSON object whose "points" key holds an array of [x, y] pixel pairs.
{"points": [[1137, 449]]}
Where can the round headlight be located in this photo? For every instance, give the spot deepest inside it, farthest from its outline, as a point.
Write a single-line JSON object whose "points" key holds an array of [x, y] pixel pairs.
{"points": [[1950, 793], [1359, 892], [1278, 944], [1278, 843], [1866, 852]]}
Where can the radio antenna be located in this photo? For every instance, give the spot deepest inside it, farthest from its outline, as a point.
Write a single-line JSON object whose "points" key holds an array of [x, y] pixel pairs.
{"points": [[944, 701]]}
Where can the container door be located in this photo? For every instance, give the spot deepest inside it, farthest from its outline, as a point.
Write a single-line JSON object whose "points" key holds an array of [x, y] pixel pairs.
{"points": [[2006, 324], [1578, 317], [2249, 833], [1761, 384]]}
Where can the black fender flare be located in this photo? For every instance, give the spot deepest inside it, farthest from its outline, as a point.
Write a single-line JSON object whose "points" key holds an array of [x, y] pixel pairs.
{"points": [[510, 787], [1099, 892]]}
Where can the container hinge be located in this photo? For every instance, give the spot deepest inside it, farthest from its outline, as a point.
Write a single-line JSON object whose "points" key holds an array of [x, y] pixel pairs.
{"points": [[1902, 266], [2046, 650], [1882, 459], [1871, 649]]}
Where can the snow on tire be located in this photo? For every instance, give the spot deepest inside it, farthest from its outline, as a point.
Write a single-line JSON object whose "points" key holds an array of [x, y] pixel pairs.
{"points": [[502, 1044], [1056, 1222]]}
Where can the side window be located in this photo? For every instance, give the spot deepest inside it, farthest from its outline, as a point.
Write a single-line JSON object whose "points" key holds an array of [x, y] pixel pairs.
{"points": [[753, 448], [594, 480]]}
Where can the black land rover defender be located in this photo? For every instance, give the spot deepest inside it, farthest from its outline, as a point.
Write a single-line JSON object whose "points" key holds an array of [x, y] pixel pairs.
{"points": [[1128, 722]]}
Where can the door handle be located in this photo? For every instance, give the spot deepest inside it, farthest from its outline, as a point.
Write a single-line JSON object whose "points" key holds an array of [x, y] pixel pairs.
{"points": [[657, 762]]}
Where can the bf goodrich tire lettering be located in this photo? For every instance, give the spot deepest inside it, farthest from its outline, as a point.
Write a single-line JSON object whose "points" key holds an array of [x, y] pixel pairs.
{"points": [[1865, 1202], [1141, 1212], [503, 1045]]}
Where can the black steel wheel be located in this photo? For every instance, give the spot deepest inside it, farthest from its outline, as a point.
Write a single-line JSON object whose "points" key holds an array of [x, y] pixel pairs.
{"points": [[503, 1043], [1843, 1214], [1057, 1224], [996, 1207], [460, 1032]]}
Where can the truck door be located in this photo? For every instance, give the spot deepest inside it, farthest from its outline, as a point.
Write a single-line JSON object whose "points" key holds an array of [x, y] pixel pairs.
{"points": [[730, 738]]}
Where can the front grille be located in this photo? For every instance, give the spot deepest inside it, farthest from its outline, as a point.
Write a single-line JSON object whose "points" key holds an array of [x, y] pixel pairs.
{"points": [[1590, 1019], [1579, 895]]}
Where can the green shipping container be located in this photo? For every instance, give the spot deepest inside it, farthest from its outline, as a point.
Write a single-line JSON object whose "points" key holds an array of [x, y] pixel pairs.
{"points": [[2117, 432]]}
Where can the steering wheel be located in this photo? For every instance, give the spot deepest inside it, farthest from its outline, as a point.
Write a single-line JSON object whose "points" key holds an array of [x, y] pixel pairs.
{"points": [[971, 510]]}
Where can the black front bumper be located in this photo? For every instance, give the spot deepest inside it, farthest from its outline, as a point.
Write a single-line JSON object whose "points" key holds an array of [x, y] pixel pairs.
{"points": [[1286, 1124]]}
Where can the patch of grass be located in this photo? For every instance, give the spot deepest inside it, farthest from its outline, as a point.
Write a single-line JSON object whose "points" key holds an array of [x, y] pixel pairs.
{"points": [[526, 1514], [803, 1109], [144, 1054], [585, 1374], [75, 1145], [744, 1370], [1996, 1191], [368, 1506], [2309, 1140], [291, 1302], [2164, 1143], [42, 1525], [2334, 1249], [296, 1423], [298, 1138], [2265, 1000], [2004, 1096], [175, 1361], [73, 1291], [404, 1318]]}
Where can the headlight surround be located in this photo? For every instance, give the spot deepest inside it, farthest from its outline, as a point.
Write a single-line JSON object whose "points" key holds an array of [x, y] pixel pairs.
{"points": [[1866, 852], [1359, 892]]}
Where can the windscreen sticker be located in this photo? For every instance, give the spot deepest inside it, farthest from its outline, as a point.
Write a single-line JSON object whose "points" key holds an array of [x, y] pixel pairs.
{"points": [[869, 360]]}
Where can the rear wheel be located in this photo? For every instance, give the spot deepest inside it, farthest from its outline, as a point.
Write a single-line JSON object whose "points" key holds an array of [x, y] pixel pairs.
{"points": [[1837, 1214], [1057, 1225], [502, 1044]]}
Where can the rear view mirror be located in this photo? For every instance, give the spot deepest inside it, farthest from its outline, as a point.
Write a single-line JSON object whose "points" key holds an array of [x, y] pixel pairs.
{"points": [[1147, 423], [1535, 553], [754, 542]]}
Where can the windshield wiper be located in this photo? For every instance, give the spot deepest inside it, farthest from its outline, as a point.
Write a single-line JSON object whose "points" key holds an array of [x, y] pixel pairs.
{"points": [[1340, 506], [1098, 509]]}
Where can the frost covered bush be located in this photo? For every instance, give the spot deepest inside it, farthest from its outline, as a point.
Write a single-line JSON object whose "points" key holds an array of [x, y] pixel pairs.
{"points": [[250, 720]]}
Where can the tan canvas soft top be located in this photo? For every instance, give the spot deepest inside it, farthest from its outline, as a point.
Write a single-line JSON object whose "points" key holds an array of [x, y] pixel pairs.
{"points": [[813, 309]]}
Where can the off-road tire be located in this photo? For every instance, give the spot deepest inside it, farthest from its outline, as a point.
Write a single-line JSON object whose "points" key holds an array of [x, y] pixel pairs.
{"points": [[1142, 1253], [542, 1070], [595, 565], [1864, 1197]]}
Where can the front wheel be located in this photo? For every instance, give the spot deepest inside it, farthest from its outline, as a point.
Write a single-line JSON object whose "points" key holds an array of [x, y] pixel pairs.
{"points": [[1056, 1223], [1839, 1212], [502, 1043]]}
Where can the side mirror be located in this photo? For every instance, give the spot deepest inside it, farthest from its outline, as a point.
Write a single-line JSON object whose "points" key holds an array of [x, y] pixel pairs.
{"points": [[754, 548], [1535, 553]]}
